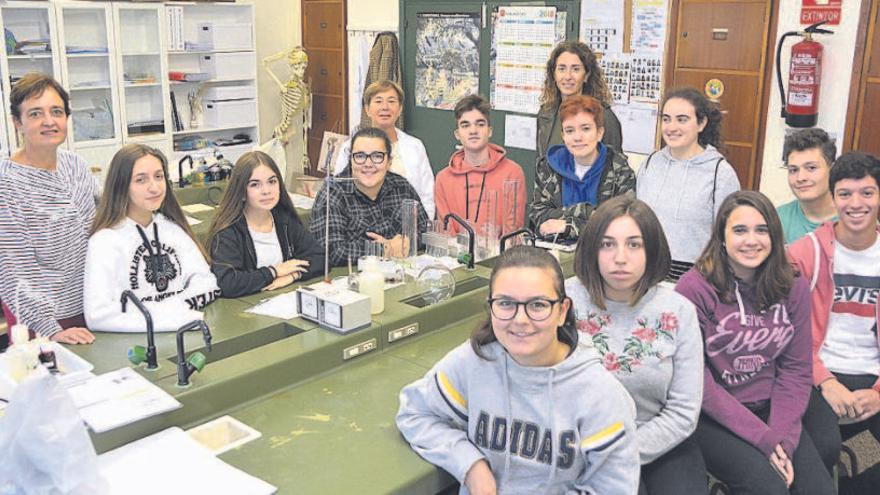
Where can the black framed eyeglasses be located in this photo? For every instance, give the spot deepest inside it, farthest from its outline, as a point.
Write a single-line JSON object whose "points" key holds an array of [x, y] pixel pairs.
{"points": [[376, 157], [537, 309]]}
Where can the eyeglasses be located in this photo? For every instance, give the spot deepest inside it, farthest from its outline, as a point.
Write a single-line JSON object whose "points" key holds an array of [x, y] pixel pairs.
{"points": [[376, 157], [537, 309]]}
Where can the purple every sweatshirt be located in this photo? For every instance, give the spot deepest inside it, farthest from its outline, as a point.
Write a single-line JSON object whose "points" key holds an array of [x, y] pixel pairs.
{"points": [[754, 356]]}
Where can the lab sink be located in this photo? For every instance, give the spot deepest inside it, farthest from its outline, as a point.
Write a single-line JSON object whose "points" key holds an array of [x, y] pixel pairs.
{"points": [[209, 194], [243, 343], [461, 287]]}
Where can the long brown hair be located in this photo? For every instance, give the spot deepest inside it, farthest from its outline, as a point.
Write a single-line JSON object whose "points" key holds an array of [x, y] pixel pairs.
{"points": [[531, 257], [594, 82], [115, 200], [773, 278], [586, 258], [234, 200]]}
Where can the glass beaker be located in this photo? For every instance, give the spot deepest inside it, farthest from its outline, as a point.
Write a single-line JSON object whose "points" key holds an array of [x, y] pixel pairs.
{"points": [[409, 222]]}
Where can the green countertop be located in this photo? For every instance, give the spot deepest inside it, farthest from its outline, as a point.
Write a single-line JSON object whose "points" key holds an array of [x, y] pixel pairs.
{"points": [[337, 433], [288, 380]]}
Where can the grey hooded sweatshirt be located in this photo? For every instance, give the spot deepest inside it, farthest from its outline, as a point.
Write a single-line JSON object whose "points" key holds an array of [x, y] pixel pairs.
{"points": [[564, 429], [680, 193]]}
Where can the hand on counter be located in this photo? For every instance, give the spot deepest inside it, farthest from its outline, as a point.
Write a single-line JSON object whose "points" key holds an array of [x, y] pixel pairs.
{"points": [[73, 335], [290, 267], [283, 281]]}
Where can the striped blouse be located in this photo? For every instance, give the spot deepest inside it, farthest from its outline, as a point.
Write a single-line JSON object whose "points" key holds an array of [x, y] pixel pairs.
{"points": [[45, 217]]}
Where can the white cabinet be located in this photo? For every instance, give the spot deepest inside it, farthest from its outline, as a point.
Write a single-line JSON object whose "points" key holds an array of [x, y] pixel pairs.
{"points": [[86, 43], [30, 32], [214, 43]]}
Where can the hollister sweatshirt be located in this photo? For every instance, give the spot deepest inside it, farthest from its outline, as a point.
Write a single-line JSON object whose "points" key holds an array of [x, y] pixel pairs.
{"points": [[561, 429], [752, 357], [655, 349], [170, 277]]}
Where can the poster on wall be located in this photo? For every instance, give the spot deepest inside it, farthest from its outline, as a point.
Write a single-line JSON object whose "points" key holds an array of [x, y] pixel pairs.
{"points": [[602, 25], [447, 59], [648, 26], [523, 38], [813, 11]]}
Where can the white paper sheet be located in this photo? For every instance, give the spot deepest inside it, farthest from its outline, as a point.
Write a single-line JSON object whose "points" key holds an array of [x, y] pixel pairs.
{"points": [[192, 221], [118, 398], [520, 132], [283, 307], [639, 125], [196, 208], [177, 464]]}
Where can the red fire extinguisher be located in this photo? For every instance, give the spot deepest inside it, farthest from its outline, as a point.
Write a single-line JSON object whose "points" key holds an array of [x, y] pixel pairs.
{"points": [[801, 108]]}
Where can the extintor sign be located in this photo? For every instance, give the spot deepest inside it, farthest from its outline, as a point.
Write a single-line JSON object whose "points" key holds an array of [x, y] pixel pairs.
{"points": [[813, 11]]}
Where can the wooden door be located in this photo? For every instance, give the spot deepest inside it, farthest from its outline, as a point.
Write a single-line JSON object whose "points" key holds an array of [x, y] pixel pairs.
{"points": [[727, 40], [861, 133], [323, 26]]}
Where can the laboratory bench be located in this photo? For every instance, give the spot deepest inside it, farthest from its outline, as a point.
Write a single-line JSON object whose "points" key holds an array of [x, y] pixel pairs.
{"points": [[327, 421]]}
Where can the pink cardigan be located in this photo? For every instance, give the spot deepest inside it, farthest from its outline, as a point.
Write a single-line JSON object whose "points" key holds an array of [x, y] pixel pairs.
{"points": [[804, 256]]}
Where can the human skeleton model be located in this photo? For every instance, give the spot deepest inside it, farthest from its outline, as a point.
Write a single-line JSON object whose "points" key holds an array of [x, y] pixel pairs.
{"points": [[295, 94]]}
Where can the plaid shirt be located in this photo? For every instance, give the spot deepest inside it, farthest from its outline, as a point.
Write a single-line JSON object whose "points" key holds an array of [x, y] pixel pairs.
{"points": [[353, 214]]}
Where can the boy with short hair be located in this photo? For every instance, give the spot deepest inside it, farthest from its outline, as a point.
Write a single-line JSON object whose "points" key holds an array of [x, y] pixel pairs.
{"points": [[475, 170], [842, 261], [809, 155]]}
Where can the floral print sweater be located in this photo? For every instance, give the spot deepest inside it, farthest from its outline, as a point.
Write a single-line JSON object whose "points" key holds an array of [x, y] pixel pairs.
{"points": [[655, 350]]}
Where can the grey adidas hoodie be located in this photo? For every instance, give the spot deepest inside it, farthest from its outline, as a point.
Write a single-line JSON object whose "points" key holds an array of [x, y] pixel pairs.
{"points": [[680, 193], [564, 429]]}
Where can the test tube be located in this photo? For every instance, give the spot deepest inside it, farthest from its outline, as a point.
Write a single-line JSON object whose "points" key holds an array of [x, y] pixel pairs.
{"points": [[488, 232], [409, 221]]}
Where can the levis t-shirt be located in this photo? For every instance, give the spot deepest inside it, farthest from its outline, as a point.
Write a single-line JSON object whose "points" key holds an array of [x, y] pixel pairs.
{"points": [[851, 342]]}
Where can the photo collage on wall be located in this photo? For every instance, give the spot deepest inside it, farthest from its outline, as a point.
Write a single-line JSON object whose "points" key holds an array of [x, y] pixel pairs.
{"points": [[645, 76]]}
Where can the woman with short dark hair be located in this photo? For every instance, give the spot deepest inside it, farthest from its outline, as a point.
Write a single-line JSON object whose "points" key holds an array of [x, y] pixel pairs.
{"points": [[47, 204]]}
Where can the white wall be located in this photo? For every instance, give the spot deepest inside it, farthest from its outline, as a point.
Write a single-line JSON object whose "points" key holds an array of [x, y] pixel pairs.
{"points": [[278, 27], [836, 77], [373, 14]]}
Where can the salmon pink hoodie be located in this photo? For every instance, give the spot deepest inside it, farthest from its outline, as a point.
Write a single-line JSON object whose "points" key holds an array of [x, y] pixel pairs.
{"points": [[458, 188]]}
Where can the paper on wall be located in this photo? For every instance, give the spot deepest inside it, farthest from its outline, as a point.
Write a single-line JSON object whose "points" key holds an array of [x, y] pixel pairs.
{"points": [[639, 124], [648, 26], [520, 132], [602, 25]]}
